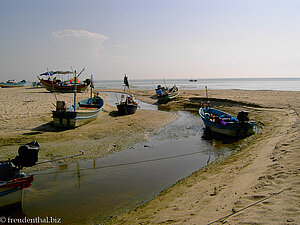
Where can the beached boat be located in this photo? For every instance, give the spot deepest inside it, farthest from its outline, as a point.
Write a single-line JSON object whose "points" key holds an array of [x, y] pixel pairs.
{"points": [[79, 113], [62, 81], [223, 123], [12, 83], [127, 104], [12, 180], [165, 94]]}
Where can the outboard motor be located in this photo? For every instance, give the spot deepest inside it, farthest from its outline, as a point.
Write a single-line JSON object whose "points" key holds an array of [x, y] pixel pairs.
{"points": [[243, 116], [87, 81], [61, 106], [28, 155], [8, 171]]}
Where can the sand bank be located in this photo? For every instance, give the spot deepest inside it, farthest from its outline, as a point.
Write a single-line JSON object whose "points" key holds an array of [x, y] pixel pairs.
{"points": [[258, 184]]}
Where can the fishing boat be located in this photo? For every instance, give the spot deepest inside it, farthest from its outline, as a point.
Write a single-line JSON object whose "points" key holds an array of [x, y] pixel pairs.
{"points": [[62, 81], [12, 180], [223, 123], [79, 113], [165, 94], [127, 104], [12, 83]]}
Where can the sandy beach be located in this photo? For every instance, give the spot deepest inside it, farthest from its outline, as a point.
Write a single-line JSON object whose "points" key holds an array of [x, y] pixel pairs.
{"points": [[258, 184]]}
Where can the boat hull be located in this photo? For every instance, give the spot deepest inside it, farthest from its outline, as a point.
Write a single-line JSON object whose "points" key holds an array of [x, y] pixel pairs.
{"points": [[166, 98], [126, 109], [233, 128], [85, 113], [11, 191], [12, 85], [50, 86], [11, 198]]}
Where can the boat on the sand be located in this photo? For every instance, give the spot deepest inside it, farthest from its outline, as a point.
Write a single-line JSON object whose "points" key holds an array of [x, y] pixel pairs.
{"points": [[79, 113], [164, 94], [12, 83], [62, 81], [127, 104], [223, 123], [12, 180]]}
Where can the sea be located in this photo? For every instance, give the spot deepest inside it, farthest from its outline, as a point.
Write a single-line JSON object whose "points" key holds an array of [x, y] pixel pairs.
{"points": [[278, 84]]}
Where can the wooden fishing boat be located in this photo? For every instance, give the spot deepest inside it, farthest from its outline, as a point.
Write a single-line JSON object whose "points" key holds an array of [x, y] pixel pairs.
{"points": [[65, 83], [12, 180], [12, 83], [165, 94], [84, 112], [79, 113], [223, 123], [127, 104]]}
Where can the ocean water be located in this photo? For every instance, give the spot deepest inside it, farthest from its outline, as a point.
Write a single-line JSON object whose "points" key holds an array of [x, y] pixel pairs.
{"points": [[279, 84]]}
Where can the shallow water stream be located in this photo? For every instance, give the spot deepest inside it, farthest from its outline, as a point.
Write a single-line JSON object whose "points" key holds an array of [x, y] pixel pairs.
{"points": [[105, 187]]}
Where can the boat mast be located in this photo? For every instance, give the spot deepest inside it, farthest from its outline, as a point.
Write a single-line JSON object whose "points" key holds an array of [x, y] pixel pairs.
{"points": [[75, 78], [164, 82], [207, 96], [126, 83], [75, 88], [91, 99]]}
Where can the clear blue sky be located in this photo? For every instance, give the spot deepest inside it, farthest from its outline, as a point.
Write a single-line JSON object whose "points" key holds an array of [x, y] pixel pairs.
{"points": [[150, 38]]}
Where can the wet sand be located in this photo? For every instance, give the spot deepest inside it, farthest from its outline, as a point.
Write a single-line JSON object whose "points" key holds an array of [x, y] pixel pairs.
{"points": [[264, 168]]}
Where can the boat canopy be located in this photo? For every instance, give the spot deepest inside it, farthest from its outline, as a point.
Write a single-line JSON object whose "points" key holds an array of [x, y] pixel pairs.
{"points": [[51, 73]]}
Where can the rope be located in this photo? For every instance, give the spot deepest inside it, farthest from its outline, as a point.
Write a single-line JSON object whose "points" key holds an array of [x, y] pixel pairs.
{"points": [[255, 203], [124, 164]]}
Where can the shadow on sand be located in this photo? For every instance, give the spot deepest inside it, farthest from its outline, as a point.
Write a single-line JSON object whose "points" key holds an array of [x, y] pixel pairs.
{"points": [[47, 127]]}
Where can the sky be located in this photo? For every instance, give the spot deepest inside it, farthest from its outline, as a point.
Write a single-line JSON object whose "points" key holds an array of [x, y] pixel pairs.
{"points": [[150, 39]]}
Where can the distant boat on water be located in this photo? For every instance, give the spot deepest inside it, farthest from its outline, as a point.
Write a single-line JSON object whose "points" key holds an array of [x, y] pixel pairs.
{"points": [[65, 83], [192, 80], [127, 104], [12, 83], [79, 113]]}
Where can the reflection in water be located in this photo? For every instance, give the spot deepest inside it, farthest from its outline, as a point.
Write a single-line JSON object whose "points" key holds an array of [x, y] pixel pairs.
{"points": [[78, 173]]}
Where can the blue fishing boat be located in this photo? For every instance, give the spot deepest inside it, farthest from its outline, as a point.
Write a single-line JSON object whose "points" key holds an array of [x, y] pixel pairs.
{"points": [[223, 123], [164, 94], [12, 83], [79, 113]]}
